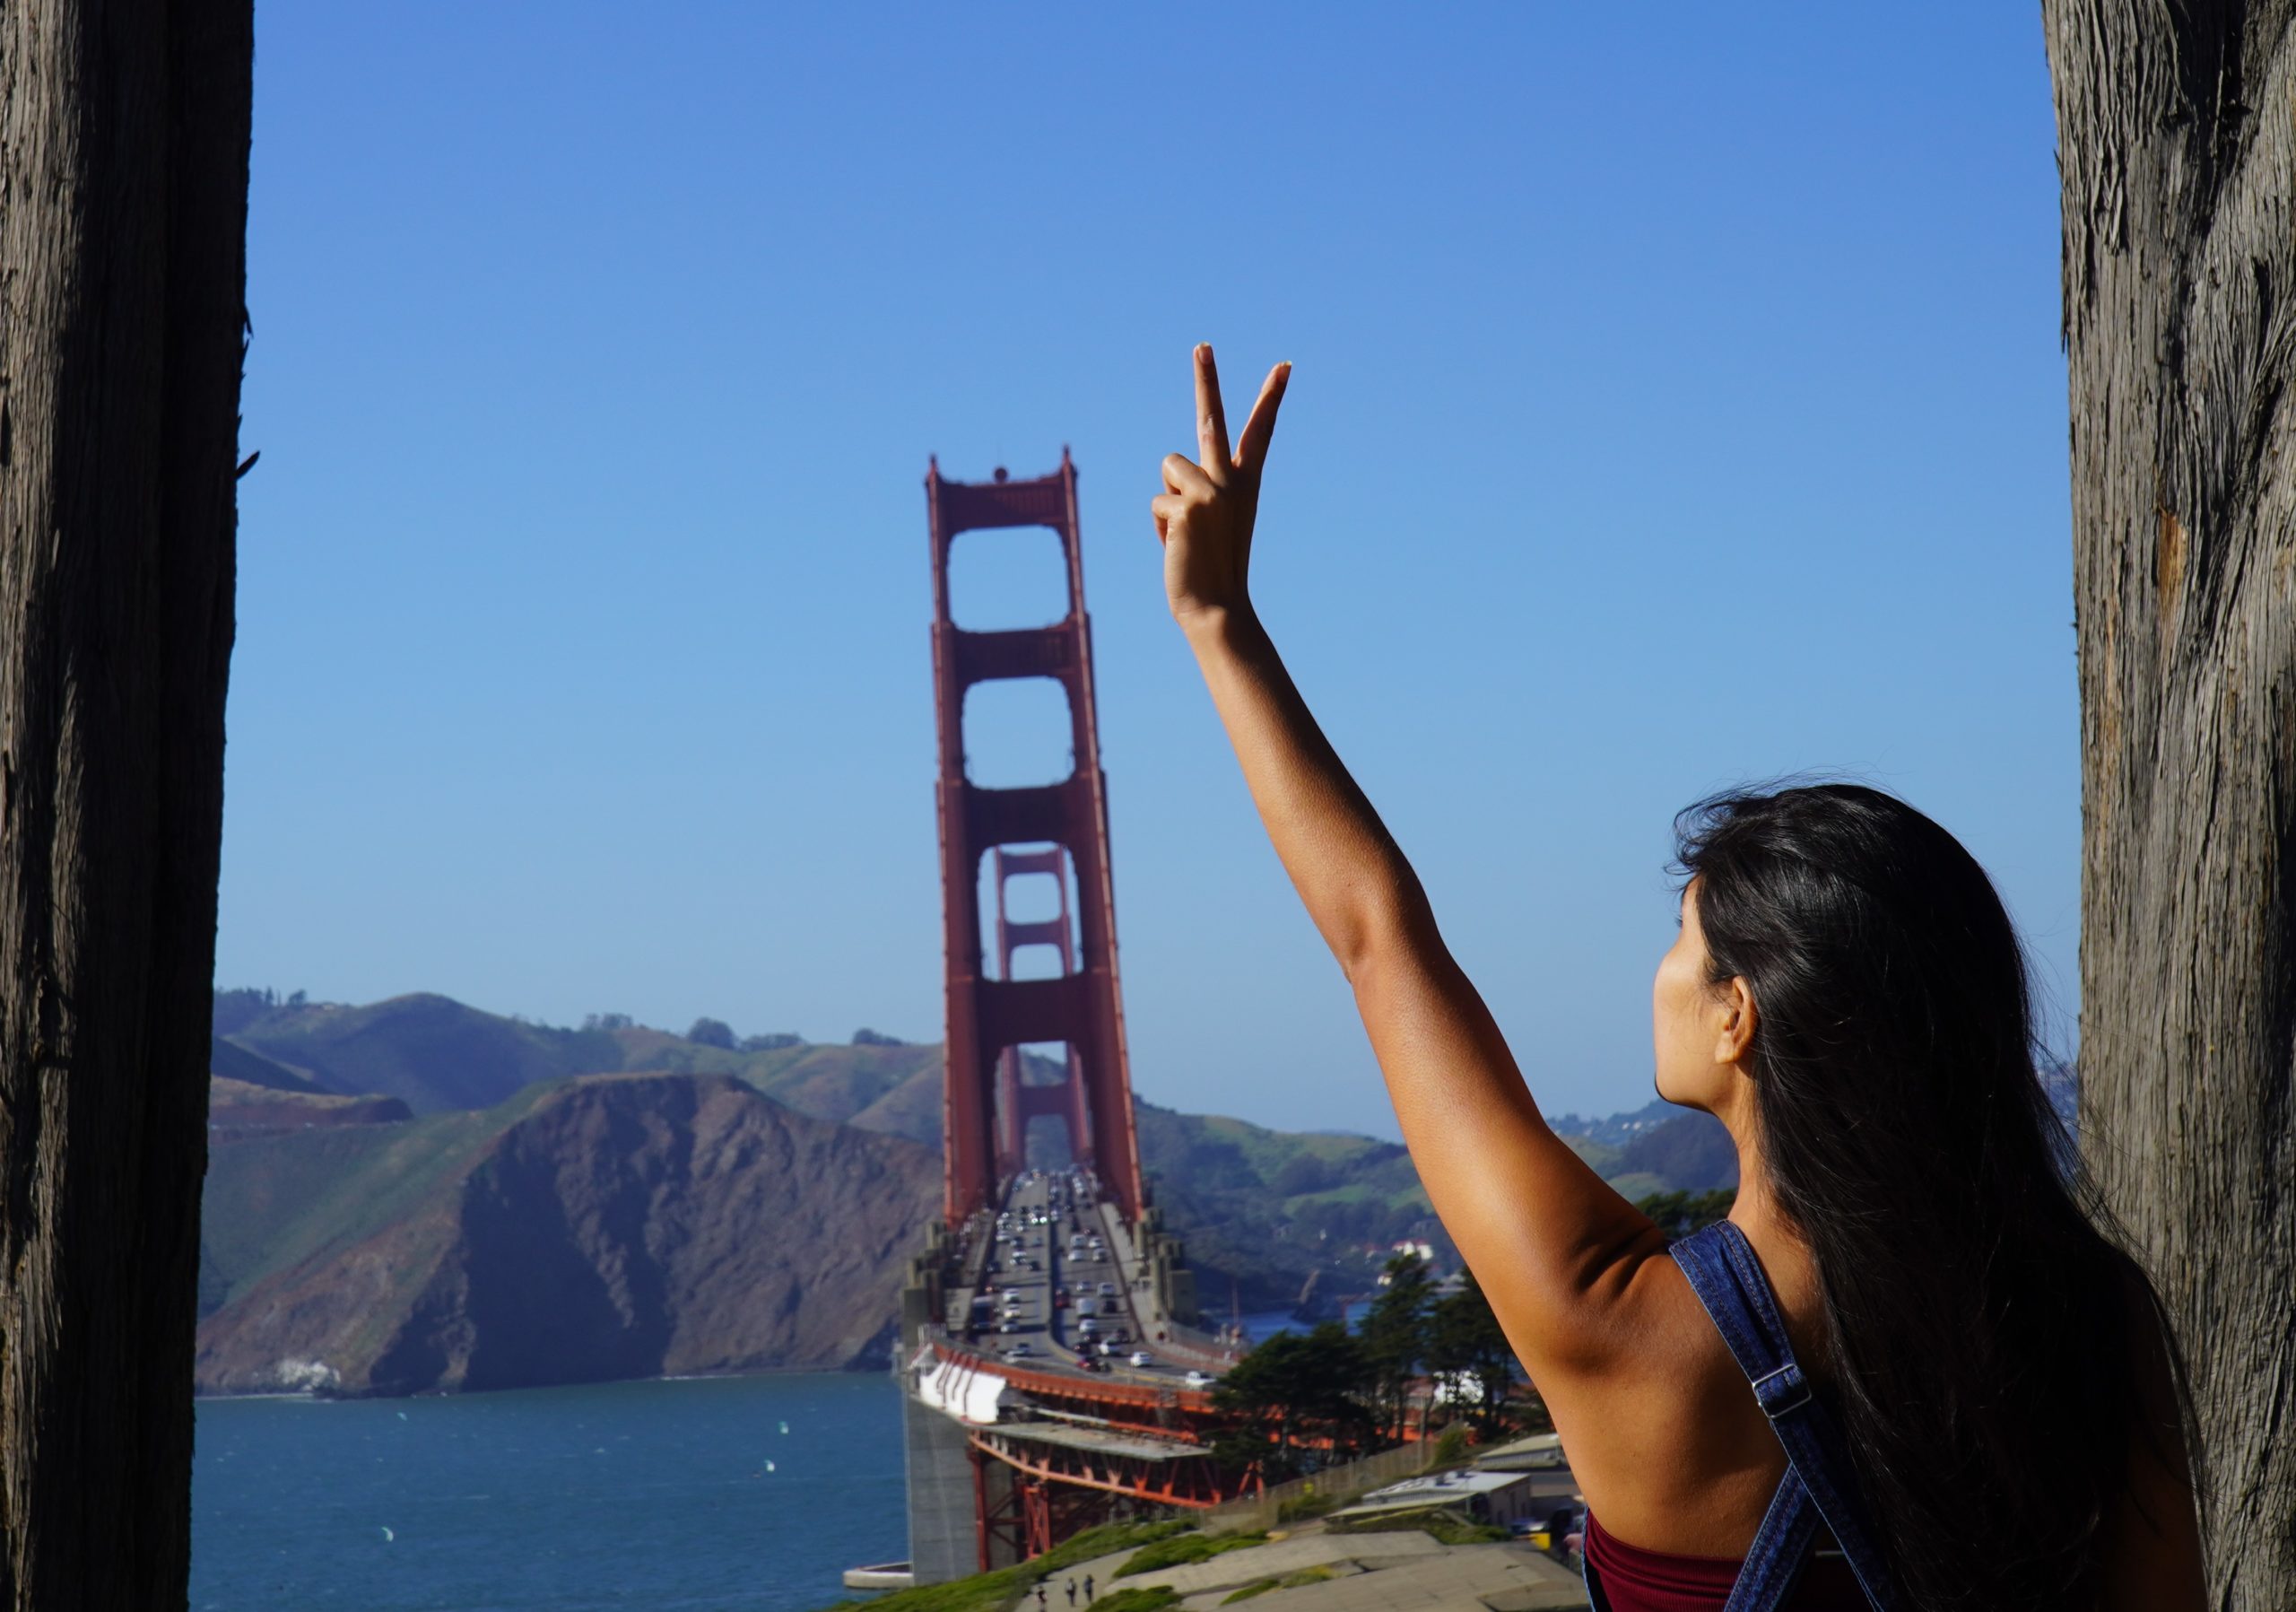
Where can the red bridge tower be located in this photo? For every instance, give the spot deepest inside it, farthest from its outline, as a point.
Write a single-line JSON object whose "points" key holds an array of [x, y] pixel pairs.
{"points": [[1058, 829]]}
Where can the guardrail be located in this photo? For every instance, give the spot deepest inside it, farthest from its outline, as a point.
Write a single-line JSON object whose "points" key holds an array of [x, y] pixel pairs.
{"points": [[1062, 1385]]}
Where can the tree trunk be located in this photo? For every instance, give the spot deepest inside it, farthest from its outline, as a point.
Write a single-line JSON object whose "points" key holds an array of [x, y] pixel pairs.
{"points": [[2176, 146], [123, 221]]}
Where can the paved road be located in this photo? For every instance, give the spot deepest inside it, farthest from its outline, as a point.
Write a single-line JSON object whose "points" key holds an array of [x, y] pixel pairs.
{"points": [[1030, 1264]]}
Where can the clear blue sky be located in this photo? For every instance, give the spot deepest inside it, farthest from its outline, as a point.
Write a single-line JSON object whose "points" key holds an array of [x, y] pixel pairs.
{"points": [[1678, 401]]}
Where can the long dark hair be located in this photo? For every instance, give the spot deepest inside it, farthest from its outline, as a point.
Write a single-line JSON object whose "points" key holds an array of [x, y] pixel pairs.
{"points": [[1977, 1297]]}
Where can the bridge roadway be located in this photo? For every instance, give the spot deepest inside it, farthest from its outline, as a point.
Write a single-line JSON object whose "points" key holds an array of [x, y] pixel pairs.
{"points": [[1019, 1430], [1025, 1298]]}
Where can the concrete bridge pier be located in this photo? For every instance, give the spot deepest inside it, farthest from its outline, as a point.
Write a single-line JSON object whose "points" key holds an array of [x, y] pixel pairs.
{"points": [[944, 1543]]}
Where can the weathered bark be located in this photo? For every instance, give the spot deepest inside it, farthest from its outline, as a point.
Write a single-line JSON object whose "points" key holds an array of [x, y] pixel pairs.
{"points": [[2177, 144], [123, 212]]}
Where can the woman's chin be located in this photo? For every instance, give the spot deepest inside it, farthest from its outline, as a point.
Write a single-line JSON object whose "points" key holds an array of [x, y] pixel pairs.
{"points": [[1668, 1092]]}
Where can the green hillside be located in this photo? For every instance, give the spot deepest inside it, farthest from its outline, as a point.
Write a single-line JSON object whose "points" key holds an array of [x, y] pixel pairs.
{"points": [[234, 1062], [1261, 1210], [438, 1055], [430, 1051]]}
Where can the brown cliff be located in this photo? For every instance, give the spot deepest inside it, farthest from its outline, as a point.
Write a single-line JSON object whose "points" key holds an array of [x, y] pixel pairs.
{"points": [[609, 1226]]}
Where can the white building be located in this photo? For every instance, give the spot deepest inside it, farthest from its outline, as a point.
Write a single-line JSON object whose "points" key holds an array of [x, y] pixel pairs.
{"points": [[1502, 1498]]}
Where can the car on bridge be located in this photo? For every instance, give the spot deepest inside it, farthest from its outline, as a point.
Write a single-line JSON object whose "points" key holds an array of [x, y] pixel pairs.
{"points": [[1199, 1379], [1141, 1357]]}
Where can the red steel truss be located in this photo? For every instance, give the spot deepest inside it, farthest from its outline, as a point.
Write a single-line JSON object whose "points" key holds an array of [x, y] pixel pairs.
{"points": [[1034, 1513], [1018, 1102], [986, 1108], [1194, 1483]]}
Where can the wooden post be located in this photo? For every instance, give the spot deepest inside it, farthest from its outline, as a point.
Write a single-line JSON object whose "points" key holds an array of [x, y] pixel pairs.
{"points": [[2176, 146], [123, 223]]}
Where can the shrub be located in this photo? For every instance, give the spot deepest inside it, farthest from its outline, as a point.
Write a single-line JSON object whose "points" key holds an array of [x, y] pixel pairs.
{"points": [[712, 1032], [1260, 1587], [1450, 1447], [1301, 1507], [1305, 1575]]}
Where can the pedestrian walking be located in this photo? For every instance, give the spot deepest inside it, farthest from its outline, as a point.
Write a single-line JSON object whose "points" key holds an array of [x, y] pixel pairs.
{"points": [[1088, 1588], [1039, 1595], [1072, 1592]]}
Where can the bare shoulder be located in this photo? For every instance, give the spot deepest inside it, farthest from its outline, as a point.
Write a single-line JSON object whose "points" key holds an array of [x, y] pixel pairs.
{"points": [[2151, 1560], [1664, 1436]]}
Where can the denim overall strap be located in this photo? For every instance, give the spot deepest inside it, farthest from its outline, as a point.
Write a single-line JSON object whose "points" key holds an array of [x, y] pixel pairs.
{"points": [[1773, 1561], [1819, 1481]]}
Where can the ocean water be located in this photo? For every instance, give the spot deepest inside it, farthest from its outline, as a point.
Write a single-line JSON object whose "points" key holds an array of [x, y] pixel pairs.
{"points": [[684, 1496]]}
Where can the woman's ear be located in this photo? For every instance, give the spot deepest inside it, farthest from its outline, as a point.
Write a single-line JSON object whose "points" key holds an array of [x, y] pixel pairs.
{"points": [[1735, 1034]]}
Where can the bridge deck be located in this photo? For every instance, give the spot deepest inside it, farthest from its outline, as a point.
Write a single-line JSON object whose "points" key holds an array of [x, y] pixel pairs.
{"points": [[1037, 1266], [1099, 1441]]}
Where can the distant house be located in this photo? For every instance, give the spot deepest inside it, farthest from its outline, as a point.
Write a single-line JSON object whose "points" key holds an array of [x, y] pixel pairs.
{"points": [[1504, 1498]]}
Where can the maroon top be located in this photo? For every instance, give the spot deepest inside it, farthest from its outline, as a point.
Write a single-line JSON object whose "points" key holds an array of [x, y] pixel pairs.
{"points": [[1636, 1580]]}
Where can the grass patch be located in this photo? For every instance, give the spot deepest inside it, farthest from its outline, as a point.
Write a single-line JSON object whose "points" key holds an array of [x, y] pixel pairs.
{"points": [[1181, 1549], [1438, 1523], [1301, 1507], [1001, 1591], [1135, 1600], [1290, 1581]]}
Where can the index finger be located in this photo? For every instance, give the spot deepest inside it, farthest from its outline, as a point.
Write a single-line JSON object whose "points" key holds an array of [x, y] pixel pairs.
{"points": [[1211, 424]]}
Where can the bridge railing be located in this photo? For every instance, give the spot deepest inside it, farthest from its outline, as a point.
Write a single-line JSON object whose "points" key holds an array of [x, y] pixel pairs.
{"points": [[1144, 1396]]}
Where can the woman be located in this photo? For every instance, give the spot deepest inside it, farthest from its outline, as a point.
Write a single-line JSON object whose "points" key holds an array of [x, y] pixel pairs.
{"points": [[1982, 1401]]}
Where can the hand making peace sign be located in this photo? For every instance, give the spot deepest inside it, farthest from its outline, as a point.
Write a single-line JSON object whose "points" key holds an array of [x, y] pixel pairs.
{"points": [[1203, 516]]}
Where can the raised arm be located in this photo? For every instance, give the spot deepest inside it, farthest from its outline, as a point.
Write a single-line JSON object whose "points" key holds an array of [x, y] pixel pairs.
{"points": [[1554, 1246]]}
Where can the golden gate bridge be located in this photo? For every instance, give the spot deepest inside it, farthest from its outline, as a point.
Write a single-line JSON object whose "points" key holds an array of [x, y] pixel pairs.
{"points": [[1052, 1373]]}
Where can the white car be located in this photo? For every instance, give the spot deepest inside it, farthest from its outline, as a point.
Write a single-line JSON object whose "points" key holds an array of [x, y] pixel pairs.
{"points": [[1199, 1379], [1019, 1349], [1142, 1357]]}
